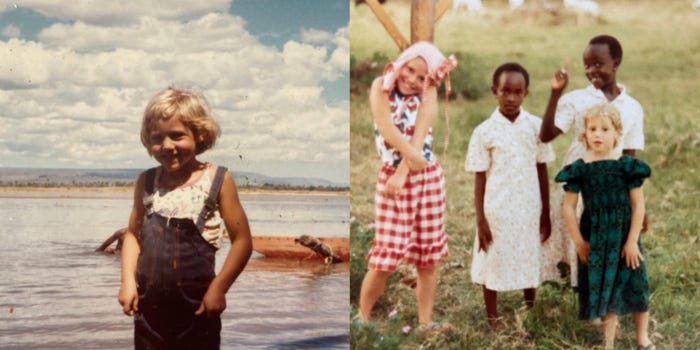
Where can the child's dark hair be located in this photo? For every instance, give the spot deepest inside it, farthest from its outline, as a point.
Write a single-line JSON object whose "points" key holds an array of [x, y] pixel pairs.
{"points": [[511, 67], [613, 45]]}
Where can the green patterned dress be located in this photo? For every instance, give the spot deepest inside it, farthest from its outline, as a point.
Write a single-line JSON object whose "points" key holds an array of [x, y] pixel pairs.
{"points": [[606, 284]]}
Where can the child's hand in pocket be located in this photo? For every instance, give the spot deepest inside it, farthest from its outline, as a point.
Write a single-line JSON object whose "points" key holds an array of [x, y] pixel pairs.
{"points": [[213, 303]]}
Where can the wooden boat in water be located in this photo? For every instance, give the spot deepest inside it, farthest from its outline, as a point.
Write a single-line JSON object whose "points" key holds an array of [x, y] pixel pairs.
{"points": [[286, 247], [304, 247]]}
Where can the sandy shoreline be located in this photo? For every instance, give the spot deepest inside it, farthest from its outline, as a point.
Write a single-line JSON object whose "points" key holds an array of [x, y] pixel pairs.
{"points": [[129, 189]]}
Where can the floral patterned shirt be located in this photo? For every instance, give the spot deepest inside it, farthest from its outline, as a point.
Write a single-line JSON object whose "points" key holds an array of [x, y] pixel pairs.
{"points": [[404, 111], [186, 202]]}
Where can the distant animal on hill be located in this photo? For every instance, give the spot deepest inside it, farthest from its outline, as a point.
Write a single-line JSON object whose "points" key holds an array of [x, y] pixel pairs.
{"points": [[472, 5], [583, 6], [514, 4]]}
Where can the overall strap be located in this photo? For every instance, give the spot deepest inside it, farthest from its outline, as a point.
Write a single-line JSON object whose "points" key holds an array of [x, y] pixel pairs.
{"points": [[210, 204], [150, 180]]}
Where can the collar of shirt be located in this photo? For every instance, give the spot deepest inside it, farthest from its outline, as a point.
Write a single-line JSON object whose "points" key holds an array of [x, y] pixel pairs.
{"points": [[498, 117]]}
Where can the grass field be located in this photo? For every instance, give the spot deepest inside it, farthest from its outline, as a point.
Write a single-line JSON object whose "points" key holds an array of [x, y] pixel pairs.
{"points": [[661, 42]]}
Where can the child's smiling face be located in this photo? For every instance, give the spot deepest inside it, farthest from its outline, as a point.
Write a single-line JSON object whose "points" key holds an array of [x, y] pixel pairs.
{"points": [[412, 77], [172, 144], [510, 93], [599, 65]]}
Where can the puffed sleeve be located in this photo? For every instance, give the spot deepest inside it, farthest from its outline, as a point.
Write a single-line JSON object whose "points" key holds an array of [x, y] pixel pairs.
{"points": [[478, 154], [571, 176], [634, 171], [545, 152]]}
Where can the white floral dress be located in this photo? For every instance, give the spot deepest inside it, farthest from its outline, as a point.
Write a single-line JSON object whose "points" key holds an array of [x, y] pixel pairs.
{"points": [[509, 153]]}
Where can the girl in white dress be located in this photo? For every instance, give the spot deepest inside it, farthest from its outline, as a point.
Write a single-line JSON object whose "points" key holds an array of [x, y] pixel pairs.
{"points": [[511, 193]]}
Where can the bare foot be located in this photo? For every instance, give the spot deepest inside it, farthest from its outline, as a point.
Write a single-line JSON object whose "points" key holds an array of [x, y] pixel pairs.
{"points": [[497, 324]]}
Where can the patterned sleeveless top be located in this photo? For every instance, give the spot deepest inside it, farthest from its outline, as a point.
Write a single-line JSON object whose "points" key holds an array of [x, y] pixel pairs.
{"points": [[404, 111], [186, 202]]}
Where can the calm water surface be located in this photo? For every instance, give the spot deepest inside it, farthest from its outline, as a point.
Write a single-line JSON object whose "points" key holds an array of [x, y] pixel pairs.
{"points": [[57, 293]]}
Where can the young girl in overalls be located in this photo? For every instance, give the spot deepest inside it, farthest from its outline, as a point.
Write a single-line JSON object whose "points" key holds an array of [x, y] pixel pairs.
{"points": [[180, 210], [410, 192]]}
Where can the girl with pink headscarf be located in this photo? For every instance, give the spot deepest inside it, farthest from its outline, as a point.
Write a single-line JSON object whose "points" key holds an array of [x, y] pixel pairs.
{"points": [[410, 191]]}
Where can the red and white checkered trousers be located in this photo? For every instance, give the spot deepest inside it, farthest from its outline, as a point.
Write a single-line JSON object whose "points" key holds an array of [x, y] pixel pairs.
{"points": [[410, 227]]}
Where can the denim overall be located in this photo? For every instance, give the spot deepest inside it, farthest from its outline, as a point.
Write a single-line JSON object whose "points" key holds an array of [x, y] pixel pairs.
{"points": [[175, 268]]}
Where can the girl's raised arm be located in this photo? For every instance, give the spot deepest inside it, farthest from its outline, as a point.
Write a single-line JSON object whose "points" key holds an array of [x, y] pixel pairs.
{"points": [[548, 130]]}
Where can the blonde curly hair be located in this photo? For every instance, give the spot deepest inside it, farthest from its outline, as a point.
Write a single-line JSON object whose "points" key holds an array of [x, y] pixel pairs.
{"points": [[190, 108], [603, 110]]}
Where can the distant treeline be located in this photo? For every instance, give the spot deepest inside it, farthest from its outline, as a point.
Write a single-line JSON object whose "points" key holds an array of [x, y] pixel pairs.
{"points": [[290, 187], [50, 184], [96, 184], [92, 178]]}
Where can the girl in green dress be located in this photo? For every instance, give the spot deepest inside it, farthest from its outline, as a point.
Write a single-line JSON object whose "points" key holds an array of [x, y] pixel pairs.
{"points": [[612, 275]]}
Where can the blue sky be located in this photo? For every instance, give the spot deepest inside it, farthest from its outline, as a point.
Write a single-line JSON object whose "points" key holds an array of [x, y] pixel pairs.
{"points": [[275, 22], [77, 77]]}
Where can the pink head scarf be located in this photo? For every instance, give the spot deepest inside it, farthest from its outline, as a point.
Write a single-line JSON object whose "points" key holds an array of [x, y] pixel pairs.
{"points": [[439, 67]]}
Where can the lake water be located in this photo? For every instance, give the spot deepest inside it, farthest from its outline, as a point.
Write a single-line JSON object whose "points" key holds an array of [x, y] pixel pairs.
{"points": [[57, 293]]}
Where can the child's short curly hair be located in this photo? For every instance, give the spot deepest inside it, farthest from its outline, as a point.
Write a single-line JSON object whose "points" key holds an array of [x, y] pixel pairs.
{"points": [[190, 108], [603, 110]]}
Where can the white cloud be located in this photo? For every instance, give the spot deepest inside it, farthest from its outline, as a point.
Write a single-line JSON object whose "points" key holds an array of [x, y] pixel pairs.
{"points": [[314, 36], [110, 13], [214, 31], [75, 97], [339, 59]]}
